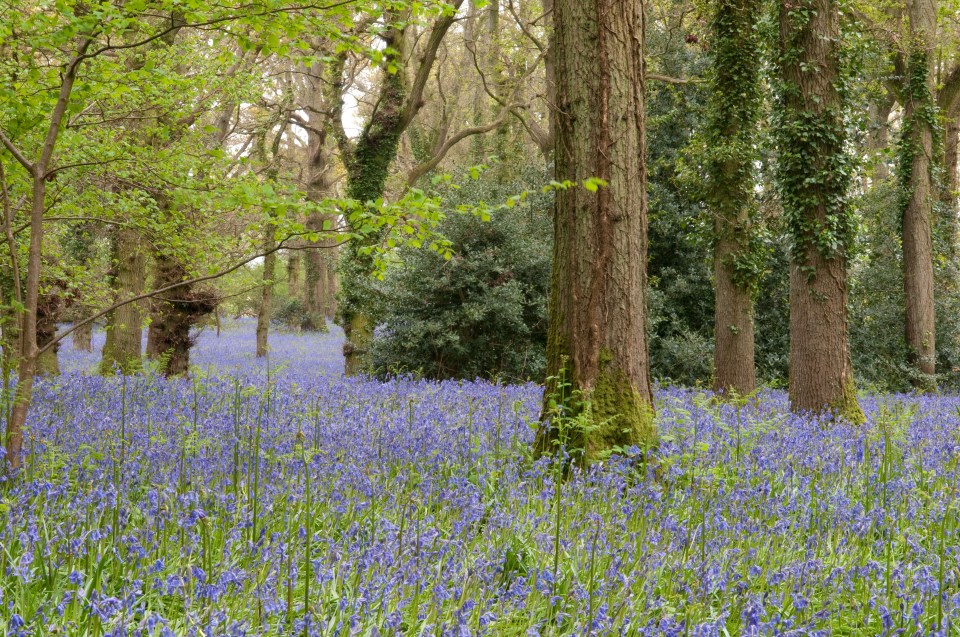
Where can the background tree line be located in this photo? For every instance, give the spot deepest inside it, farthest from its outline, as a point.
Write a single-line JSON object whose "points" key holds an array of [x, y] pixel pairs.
{"points": [[394, 167]]}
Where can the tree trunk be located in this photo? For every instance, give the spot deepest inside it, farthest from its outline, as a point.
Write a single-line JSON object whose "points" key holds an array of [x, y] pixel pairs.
{"points": [[333, 283], [597, 341], [294, 268], [266, 298], [175, 314], [315, 281], [878, 139], [49, 307], [814, 180], [368, 163], [367, 170], [122, 349], [83, 338], [916, 156], [733, 120]]}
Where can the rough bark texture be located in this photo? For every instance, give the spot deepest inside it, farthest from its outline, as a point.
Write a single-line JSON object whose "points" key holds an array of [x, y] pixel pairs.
{"points": [[597, 338], [83, 338], [294, 269], [174, 315], [878, 139], [49, 309], [319, 176], [814, 182], [733, 121], [122, 349], [919, 195]]}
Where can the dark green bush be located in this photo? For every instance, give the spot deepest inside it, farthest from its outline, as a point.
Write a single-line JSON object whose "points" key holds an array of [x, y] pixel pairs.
{"points": [[483, 312]]}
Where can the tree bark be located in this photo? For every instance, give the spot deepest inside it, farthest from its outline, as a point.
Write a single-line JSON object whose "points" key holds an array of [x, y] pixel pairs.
{"points": [[597, 341], [83, 338], [919, 124], [733, 120], [878, 139], [123, 348], [294, 268], [368, 161], [814, 183], [175, 314]]}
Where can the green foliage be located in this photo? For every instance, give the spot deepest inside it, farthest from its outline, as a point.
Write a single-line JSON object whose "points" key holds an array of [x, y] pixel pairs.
{"points": [[481, 313], [291, 314]]}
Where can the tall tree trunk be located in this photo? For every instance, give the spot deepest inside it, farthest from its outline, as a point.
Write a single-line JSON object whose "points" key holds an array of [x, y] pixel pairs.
{"points": [[83, 338], [916, 155], [878, 139], [733, 119], [814, 180], [266, 295], [315, 282], [368, 163], [122, 349], [597, 341], [367, 170], [29, 349]]}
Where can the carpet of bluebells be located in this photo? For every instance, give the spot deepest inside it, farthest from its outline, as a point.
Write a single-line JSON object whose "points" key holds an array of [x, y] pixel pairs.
{"points": [[280, 498]]}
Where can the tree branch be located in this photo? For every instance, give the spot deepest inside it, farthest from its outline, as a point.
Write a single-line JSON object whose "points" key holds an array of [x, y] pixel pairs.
{"points": [[16, 153]]}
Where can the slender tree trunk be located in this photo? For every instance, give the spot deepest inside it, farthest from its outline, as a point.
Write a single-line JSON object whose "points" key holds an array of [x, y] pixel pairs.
{"points": [[951, 182], [917, 154], [266, 297], [29, 350], [123, 347], [597, 341], [315, 282], [83, 338], [733, 120], [813, 183]]}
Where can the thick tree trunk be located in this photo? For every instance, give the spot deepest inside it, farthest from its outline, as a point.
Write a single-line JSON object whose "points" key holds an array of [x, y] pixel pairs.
{"points": [[266, 295], [333, 283], [49, 308], [878, 140], [175, 314], [122, 349], [814, 183], [733, 121], [83, 338], [294, 269], [315, 282], [733, 354], [919, 123], [597, 340]]}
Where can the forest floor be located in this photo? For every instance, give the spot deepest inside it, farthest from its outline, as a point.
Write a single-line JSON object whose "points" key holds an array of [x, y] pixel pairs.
{"points": [[281, 498]]}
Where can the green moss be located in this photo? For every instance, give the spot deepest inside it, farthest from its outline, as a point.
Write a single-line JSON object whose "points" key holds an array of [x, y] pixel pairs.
{"points": [[619, 416], [847, 405]]}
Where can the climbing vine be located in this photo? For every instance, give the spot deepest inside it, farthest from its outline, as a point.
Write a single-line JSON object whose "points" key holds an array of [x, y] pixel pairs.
{"points": [[730, 145], [924, 113], [814, 167]]}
